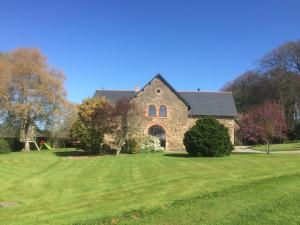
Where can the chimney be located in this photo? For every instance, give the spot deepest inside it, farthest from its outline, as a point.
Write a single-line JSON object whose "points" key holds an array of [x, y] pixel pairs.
{"points": [[136, 89]]}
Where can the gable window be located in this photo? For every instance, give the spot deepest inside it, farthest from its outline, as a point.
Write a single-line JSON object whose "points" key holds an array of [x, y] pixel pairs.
{"points": [[152, 110], [163, 111]]}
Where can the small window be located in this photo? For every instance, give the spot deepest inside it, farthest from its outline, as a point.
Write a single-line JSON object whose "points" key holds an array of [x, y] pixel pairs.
{"points": [[158, 91], [163, 111], [152, 110]]}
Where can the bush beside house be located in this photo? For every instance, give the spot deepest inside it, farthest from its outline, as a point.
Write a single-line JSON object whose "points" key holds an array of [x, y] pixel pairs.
{"points": [[208, 138], [150, 144]]}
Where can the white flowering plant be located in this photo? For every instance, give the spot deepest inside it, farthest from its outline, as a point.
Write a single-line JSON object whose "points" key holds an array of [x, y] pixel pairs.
{"points": [[150, 144]]}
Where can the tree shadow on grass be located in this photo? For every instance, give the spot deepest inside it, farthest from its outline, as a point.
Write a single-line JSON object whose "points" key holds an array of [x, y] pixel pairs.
{"points": [[248, 153], [178, 155], [75, 153]]}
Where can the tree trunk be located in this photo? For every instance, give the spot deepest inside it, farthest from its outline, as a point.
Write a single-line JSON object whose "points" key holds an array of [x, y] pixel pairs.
{"points": [[27, 146], [268, 148], [119, 148], [25, 128]]}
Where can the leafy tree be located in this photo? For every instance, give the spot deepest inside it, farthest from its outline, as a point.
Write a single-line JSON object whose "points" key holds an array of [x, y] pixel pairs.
{"points": [[112, 120], [31, 92], [263, 124], [89, 139], [208, 138], [94, 121]]}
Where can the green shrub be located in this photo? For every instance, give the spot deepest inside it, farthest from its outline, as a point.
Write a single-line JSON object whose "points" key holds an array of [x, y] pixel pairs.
{"points": [[208, 138], [130, 147], [88, 139], [150, 144], [4, 146]]}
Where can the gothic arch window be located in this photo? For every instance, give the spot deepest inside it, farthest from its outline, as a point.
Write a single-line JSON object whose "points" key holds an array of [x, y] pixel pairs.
{"points": [[163, 111], [152, 110]]}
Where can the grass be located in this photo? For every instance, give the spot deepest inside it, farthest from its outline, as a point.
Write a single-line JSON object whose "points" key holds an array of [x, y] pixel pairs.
{"points": [[279, 147], [52, 188]]}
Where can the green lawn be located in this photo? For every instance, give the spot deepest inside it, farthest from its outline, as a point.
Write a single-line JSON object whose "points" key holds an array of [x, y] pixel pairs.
{"points": [[279, 147], [52, 188]]}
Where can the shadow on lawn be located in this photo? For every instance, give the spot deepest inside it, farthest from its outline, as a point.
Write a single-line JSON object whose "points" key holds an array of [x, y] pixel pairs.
{"points": [[178, 155], [249, 153], [71, 154]]}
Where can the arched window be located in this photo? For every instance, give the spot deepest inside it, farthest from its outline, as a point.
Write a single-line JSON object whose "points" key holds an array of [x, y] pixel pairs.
{"points": [[152, 110], [159, 132], [163, 111]]}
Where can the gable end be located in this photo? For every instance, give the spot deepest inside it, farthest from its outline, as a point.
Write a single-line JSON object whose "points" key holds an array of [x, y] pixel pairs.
{"points": [[165, 82]]}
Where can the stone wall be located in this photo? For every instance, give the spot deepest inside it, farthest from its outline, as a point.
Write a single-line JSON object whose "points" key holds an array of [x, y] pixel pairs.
{"points": [[176, 122]]}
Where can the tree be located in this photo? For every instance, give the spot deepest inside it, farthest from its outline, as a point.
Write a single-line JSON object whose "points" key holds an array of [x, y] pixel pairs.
{"points": [[87, 138], [94, 121], [59, 129], [31, 92], [122, 110], [286, 57], [263, 124], [105, 119], [118, 115], [275, 79], [249, 89]]}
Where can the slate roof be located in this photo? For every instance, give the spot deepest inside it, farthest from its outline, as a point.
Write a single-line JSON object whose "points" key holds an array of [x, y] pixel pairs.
{"points": [[210, 103], [114, 95], [199, 103]]}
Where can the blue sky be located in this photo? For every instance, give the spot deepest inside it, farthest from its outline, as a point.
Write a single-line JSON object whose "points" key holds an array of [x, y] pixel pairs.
{"points": [[120, 44]]}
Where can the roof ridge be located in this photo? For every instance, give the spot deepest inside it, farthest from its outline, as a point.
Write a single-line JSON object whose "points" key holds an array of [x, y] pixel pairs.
{"points": [[185, 91], [218, 92], [113, 90]]}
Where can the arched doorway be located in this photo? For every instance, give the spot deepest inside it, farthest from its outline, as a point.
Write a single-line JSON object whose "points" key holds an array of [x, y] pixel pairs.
{"points": [[159, 132]]}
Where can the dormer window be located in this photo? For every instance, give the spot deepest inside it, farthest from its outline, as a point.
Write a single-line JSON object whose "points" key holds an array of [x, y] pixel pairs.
{"points": [[152, 110], [163, 111]]}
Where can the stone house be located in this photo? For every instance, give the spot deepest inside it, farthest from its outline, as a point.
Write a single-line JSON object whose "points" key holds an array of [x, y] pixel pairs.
{"points": [[167, 113]]}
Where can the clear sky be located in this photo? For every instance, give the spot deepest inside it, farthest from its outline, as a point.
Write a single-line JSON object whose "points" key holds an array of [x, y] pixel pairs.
{"points": [[120, 44]]}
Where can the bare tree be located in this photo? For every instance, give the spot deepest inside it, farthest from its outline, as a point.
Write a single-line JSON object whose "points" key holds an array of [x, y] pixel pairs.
{"points": [[116, 120], [123, 109], [286, 57], [59, 129]]}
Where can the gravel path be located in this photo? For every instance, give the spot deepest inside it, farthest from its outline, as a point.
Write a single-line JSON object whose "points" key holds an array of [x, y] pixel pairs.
{"points": [[246, 149]]}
